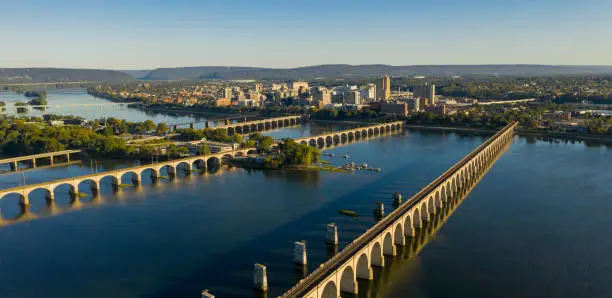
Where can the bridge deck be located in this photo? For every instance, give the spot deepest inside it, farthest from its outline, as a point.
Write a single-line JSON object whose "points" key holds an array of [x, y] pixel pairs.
{"points": [[41, 155]]}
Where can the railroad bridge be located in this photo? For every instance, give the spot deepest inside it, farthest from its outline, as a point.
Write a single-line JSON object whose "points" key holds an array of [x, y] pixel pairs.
{"points": [[155, 170], [340, 273]]}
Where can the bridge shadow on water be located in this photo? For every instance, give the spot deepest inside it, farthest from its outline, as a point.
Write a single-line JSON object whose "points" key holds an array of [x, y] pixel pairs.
{"points": [[230, 274]]}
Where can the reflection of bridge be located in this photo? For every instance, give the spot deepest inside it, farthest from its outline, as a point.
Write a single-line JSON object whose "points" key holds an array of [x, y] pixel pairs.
{"points": [[32, 158], [349, 135], [340, 273], [116, 176]]}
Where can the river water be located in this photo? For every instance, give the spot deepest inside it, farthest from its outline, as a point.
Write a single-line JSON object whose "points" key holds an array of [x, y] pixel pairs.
{"points": [[537, 225]]}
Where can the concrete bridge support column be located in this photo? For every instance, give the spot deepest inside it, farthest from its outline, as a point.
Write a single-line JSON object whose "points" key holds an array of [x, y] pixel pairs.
{"points": [[260, 278], [332, 234], [14, 166], [24, 201], [299, 253], [51, 160], [50, 196], [397, 199], [33, 162], [192, 125], [379, 210]]}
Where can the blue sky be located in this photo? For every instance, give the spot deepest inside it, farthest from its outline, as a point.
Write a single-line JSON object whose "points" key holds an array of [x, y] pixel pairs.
{"points": [[139, 34]]}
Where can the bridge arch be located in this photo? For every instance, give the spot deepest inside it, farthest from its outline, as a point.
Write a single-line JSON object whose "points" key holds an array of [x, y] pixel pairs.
{"points": [[336, 139], [329, 140], [370, 132], [438, 199], [61, 186], [199, 163], [213, 161], [388, 246], [424, 214], [320, 142], [398, 234], [330, 290], [312, 142], [135, 176], [376, 256], [47, 194], [93, 184], [363, 267], [431, 204], [364, 133], [348, 280], [343, 138], [408, 225]]}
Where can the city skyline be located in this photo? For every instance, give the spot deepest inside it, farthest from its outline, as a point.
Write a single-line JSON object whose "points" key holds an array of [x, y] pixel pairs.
{"points": [[275, 34]]}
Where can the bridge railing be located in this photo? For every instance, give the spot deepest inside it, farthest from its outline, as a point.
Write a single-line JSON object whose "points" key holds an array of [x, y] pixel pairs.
{"points": [[311, 281]]}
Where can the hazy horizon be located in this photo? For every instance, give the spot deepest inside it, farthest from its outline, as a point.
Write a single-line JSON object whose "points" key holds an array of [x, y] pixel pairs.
{"points": [[144, 35], [370, 64]]}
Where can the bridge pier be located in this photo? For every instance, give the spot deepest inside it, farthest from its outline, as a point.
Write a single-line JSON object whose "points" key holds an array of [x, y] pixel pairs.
{"points": [[379, 211], [50, 195], [14, 166], [397, 199], [299, 253], [33, 162], [260, 278], [51, 160], [24, 201], [206, 294], [332, 234]]}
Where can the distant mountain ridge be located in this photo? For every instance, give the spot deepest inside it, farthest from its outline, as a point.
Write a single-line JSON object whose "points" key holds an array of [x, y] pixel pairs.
{"points": [[334, 71], [137, 73], [48, 75]]}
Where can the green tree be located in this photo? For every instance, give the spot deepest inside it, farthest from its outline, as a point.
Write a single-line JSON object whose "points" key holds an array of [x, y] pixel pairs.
{"points": [[161, 129]]}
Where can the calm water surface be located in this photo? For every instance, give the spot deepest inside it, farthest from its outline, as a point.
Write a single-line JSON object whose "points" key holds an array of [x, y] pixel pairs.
{"points": [[537, 225]]}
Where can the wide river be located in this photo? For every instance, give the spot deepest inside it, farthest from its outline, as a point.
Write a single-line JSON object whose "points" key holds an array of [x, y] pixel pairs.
{"points": [[537, 225]]}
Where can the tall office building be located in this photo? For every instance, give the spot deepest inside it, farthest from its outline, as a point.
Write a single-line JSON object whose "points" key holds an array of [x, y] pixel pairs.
{"points": [[383, 88], [427, 94], [227, 93]]}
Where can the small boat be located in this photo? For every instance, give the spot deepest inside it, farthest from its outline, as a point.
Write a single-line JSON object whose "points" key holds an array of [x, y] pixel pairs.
{"points": [[348, 212], [346, 156]]}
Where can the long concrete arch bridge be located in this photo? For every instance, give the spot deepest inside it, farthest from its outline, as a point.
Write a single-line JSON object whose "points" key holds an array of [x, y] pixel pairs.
{"points": [[116, 176], [340, 273], [261, 125], [350, 135]]}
